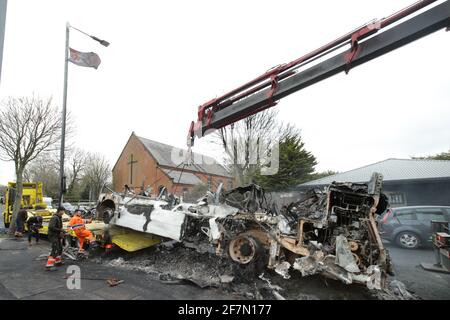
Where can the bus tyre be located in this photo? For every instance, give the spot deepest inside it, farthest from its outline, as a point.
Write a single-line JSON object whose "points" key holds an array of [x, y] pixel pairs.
{"points": [[248, 253]]}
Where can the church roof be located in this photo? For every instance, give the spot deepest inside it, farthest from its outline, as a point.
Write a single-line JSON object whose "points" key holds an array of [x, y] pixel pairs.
{"points": [[171, 156], [182, 178]]}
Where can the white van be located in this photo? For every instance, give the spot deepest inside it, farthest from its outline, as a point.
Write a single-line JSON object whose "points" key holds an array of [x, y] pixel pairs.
{"points": [[48, 202]]}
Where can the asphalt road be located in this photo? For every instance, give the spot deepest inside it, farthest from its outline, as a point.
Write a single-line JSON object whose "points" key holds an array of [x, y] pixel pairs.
{"points": [[426, 284], [23, 277]]}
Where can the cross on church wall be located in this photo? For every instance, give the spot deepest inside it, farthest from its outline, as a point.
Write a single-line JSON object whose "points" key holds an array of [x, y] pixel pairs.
{"points": [[131, 163]]}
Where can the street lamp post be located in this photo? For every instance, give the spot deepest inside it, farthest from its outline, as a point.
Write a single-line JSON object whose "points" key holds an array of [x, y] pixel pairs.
{"points": [[62, 177]]}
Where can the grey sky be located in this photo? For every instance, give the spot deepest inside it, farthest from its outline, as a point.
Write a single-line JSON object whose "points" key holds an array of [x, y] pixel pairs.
{"points": [[168, 57]]}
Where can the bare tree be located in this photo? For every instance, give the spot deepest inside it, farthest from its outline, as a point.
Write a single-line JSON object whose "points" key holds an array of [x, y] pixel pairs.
{"points": [[77, 164], [97, 173], [45, 169], [28, 127], [243, 140]]}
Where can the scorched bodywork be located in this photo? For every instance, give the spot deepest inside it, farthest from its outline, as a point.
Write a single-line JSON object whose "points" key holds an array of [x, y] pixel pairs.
{"points": [[332, 232]]}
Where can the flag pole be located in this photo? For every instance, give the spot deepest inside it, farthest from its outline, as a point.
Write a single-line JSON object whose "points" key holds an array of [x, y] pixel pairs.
{"points": [[63, 125]]}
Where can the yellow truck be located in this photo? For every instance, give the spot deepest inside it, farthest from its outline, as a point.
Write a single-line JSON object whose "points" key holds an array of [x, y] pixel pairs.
{"points": [[33, 199]]}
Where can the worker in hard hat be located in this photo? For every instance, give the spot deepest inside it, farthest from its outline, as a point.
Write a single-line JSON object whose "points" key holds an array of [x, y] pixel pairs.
{"points": [[77, 224]]}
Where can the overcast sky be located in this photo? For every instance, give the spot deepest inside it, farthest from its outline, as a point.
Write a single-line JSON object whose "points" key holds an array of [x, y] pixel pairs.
{"points": [[168, 57]]}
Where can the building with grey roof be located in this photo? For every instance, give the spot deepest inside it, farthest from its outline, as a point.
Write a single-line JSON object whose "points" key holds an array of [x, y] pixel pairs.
{"points": [[145, 163], [405, 181], [170, 156]]}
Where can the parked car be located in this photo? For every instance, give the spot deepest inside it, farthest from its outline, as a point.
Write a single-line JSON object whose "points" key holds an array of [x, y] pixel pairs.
{"points": [[410, 227]]}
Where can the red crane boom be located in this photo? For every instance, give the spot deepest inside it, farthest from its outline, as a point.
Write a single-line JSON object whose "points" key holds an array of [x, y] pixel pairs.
{"points": [[366, 43]]}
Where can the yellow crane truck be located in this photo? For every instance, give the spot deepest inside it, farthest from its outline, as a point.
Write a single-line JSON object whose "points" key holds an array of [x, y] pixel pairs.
{"points": [[33, 201], [32, 198]]}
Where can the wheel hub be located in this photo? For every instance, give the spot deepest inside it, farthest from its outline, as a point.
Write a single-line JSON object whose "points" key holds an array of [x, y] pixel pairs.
{"points": [[408, 240], [243, 249]]}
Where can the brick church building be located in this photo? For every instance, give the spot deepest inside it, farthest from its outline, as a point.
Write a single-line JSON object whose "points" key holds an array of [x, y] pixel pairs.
{"points": [[146, 163]]}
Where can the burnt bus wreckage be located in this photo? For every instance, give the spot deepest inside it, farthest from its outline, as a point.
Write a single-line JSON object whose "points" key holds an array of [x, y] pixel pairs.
{"points": [[331, 232]]}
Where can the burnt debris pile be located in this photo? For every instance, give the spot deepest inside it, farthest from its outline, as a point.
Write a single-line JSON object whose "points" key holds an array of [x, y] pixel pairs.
{"points": [[237, 235]]}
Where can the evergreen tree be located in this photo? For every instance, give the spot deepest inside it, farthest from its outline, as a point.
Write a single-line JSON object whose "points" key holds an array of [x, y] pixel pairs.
{"points": [[296, 165]]}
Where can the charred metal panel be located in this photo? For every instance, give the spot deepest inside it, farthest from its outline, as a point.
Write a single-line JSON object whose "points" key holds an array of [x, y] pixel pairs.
{"points": [[331, 231]]}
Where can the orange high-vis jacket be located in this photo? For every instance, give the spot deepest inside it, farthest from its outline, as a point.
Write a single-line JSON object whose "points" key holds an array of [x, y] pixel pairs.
{"points": [[77, 223]]}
